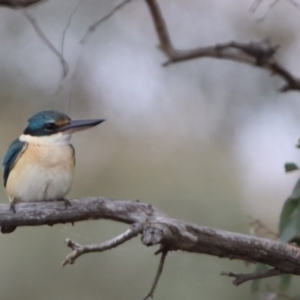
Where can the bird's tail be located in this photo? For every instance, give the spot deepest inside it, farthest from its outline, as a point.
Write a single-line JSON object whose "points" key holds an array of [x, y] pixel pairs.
{"points": [[8, 229]]}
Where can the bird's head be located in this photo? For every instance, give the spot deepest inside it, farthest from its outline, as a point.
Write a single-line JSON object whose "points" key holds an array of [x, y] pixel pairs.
{"points": [[54, 127]]}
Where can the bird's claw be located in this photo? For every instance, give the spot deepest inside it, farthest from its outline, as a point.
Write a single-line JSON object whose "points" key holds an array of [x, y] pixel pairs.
{"points": [[12, 206], [66, 202]]}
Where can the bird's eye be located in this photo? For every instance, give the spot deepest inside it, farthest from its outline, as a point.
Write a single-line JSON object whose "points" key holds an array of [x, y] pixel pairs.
{"points": [[49, 126]]}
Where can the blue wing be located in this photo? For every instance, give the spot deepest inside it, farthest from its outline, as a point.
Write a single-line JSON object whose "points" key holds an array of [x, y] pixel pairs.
{"points": [[73, 150], [11, 156]]}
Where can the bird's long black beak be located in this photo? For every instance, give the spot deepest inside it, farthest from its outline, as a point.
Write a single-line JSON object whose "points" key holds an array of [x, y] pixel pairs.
{"points": [[76, 125]]}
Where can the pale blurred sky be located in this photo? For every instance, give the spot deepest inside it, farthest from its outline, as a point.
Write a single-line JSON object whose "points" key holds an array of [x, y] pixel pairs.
{"points": [[204, 140], [119, 70], [119, 76]]}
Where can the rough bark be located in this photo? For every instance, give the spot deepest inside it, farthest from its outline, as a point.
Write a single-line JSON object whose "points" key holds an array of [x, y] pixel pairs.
{"points": [[158, 228]]}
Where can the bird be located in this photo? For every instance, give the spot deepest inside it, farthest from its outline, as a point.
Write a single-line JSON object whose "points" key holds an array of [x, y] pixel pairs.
{"points": [[39, 165]]}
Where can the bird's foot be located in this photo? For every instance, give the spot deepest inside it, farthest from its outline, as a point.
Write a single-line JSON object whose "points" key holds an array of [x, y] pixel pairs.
{"points": [[66, 202], [12, 206]]}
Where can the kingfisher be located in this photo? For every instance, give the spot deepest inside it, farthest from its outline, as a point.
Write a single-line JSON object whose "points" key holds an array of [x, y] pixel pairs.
{"points": [[39, 165]]}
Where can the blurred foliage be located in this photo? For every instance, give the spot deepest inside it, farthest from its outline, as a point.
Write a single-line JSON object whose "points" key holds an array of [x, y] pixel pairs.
{"points": [[256, 284], [289, 223], [289, 229], [289, 167]]}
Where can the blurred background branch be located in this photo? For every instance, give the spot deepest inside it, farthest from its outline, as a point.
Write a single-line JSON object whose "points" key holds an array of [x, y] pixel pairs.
{"points": [[258, 54], [48, 43], [18, 3]]}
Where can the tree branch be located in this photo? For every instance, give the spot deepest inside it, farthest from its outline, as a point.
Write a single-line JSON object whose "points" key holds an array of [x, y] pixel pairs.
{"points": [[241, 278], [258, 54], [158, 228]]}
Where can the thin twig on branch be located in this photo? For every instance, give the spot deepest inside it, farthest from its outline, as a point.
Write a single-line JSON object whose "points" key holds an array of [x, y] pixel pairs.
{"points": [[158, 273], [255, 54], [133, 231], [241, 278], [78, 249]]}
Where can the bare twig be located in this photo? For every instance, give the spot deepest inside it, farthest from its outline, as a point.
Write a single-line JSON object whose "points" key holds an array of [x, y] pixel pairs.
{"points": [[158, 273], [47, 42], [107, 16], [78, 249], [254, 54], [241, 278]]}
